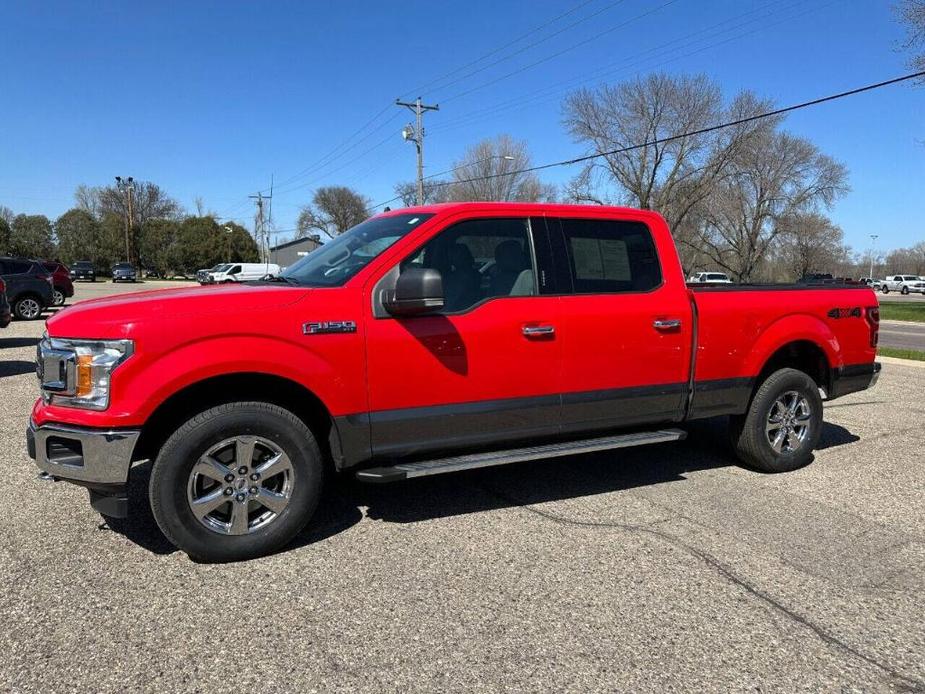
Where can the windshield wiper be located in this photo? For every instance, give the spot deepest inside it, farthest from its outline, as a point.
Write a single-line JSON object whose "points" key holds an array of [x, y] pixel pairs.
{"points": [[281, 278]]}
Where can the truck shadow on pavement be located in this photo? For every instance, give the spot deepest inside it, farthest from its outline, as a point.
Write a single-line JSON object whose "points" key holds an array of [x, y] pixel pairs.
{"points": [[13, 342], [346, 502], [16, 368]]}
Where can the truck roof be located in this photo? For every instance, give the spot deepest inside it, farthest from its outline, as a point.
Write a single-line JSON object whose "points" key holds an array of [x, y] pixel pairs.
{"points": [[522, 207]]}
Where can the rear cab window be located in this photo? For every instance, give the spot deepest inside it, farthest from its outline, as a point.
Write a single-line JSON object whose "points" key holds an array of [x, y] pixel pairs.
{"points": [[606, 256]]}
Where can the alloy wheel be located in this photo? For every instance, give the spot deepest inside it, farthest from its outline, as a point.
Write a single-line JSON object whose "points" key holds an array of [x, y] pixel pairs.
{"points": [[789, 422], [240, 485]]}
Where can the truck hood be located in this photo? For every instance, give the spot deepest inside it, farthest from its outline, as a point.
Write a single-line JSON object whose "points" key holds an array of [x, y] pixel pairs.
{"points": [[116, 317]]}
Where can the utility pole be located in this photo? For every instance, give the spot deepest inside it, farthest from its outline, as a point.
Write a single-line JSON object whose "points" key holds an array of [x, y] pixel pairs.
{"points": [[415, 134], [260, 224], [127, 186], [873, 245]]}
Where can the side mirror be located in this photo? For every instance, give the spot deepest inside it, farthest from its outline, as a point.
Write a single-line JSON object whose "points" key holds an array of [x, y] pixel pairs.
{"points": [[418, 291]]}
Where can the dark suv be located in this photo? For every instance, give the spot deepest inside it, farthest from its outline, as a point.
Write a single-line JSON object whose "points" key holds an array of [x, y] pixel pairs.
{"points": [[5, 315], [62, 287], [83, 270], [28, 287], [123, 272]]}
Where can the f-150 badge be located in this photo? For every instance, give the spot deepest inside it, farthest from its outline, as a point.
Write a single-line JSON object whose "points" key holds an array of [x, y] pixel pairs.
{"points": [[331, 326]]}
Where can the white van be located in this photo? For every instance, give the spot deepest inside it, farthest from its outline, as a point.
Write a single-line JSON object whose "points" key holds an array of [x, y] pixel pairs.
{"points": [[242, 272]]}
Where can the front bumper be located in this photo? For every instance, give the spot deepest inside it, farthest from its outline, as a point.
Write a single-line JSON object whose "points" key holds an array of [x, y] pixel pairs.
{"points": [[99, 459]]}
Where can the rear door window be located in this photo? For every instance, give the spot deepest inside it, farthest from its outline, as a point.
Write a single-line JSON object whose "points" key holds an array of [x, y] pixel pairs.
{"points": [[17, 267], [609, 256]]}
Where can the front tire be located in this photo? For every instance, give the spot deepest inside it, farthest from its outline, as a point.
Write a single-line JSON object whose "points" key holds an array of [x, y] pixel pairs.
{"points": [[904, 291], [27, 308], [204, 493], [783, 424]]}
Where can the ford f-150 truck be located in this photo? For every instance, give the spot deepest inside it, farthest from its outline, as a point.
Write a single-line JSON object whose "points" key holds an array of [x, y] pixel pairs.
{"points": [[423, 341]]}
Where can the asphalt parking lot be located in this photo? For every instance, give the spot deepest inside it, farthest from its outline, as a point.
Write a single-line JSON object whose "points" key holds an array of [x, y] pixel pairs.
{"points": [[660, 568]]}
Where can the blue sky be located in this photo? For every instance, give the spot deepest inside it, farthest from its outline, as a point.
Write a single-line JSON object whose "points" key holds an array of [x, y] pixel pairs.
{"points": [[212, 99]]}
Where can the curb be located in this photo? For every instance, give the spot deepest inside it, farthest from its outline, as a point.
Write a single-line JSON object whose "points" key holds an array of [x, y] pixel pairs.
{"points": [[902, 322], [902, 362]]}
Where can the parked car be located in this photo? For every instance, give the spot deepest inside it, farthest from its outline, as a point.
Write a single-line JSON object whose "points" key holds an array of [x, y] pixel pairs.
{"points": [[5, 314], [916, 287], [898, 283], [83, 270], [817, 278], [28, 287], [204, 276], [241, 272], [382, 355], [123, 272], [710, 278], [62, 286]]}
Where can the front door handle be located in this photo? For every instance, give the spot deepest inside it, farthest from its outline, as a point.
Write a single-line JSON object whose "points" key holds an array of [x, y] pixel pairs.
{"points": [[538, 330], [667, 324]]}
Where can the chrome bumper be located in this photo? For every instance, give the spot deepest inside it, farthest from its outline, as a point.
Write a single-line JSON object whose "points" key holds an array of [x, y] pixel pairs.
{"points": [[83, 455]]}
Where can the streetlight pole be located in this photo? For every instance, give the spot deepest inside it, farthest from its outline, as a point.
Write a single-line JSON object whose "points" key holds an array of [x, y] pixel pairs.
{"points": [[415, 133], [873, 245], [127, 186]]}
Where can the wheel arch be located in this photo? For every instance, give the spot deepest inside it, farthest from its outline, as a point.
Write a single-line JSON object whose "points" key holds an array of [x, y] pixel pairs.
{"points": [[803, 355], [236, 387]]}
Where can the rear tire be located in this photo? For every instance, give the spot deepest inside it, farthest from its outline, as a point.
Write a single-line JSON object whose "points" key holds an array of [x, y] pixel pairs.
{"points": [[178, 481], [27, 308], [57, 297], [783, 424], [885, 290]]}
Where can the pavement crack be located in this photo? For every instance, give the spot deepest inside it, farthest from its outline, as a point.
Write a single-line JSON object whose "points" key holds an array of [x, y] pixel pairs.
{"points": [[907, 683]]}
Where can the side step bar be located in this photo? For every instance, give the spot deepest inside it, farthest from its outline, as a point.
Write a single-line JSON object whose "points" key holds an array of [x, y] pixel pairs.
{"points": [[401, 471]]}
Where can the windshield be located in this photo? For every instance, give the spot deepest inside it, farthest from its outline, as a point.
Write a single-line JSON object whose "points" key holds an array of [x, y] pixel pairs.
{"points": [[220, 268], [339, 260]]}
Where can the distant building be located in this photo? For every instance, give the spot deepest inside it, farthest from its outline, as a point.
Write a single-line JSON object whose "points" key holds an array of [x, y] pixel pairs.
{"points": [[285, 254]]}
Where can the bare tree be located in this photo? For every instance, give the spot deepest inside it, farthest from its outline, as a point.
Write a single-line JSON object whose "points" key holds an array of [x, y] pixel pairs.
{"points": [[491, 170], [435, 191], [678, 170], [334, 210], [6, 214], [149, 200], [912, 14], [776, 177], [809, 243]]}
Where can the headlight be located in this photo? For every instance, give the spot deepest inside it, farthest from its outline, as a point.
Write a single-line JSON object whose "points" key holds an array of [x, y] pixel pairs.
{"points": [[77, 373]]}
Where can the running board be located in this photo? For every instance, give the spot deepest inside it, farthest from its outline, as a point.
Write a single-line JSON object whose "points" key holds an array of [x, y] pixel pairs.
{"points": [[401, 471]]}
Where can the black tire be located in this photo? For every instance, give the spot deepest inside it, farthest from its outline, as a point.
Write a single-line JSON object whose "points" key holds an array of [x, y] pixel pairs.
{"points": [[28, 307], [904, 291], [885, 289], [748, 434], [58, 297], [170, 478]]}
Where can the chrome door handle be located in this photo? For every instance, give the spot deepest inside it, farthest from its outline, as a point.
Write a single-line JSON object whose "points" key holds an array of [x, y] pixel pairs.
{"points": [[670, 324], [534, 330]]}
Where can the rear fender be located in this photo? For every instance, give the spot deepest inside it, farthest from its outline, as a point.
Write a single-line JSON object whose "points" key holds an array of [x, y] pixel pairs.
{"points": [[793, 328]]}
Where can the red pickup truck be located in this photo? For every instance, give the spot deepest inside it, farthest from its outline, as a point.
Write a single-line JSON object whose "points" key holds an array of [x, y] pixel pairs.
{"points": [[423, 341]]}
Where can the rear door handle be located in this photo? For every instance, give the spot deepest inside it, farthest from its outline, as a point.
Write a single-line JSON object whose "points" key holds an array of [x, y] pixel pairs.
{"points": [[538, 330], [667, 324]]}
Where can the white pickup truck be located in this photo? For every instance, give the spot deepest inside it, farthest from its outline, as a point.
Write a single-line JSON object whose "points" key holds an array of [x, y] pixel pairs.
{"points": [[903, 284]]}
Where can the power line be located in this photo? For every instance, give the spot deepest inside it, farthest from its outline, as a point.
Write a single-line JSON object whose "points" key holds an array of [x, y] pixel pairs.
{"points": [[553, 91], [692, 133], [524, 49], [500, 48], [562, 52]]}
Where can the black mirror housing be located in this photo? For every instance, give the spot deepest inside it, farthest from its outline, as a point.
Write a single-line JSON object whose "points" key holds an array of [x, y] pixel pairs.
{"points": [[418, 291]]}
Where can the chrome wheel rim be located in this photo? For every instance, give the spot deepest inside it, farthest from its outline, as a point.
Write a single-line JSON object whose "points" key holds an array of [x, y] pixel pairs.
{"points": [[240, 485], [58, 298], [789, 422], [29, 308]]}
